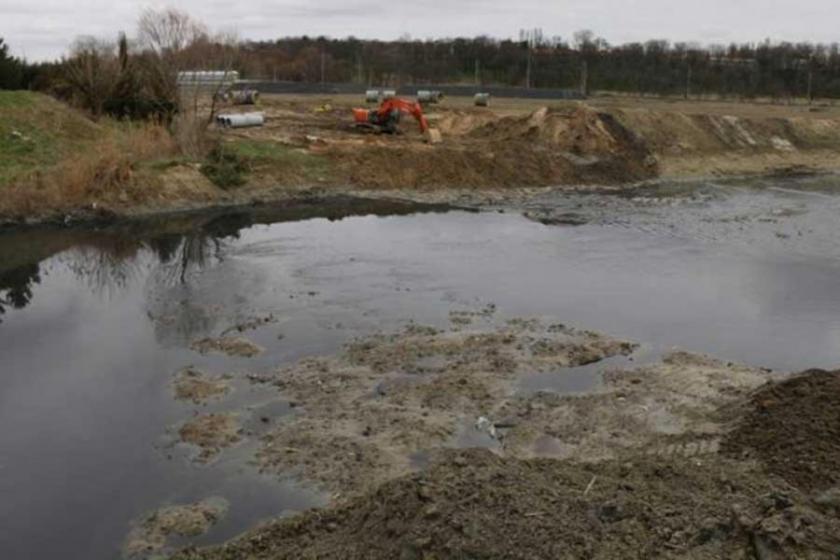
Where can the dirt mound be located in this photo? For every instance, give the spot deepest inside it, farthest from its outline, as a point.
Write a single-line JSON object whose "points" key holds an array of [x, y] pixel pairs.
{"points": [[585, 137], [793, 428], [546, 147], [473, 504]]}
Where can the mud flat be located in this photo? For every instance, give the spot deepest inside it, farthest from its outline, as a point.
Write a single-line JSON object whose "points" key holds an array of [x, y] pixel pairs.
{"points": [[430, 450], [195, 386], [210, 434], [151, 535], [237, 346]]}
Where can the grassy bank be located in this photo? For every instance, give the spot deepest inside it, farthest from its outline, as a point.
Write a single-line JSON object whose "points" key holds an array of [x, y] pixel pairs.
{"points": [[54, 159]]}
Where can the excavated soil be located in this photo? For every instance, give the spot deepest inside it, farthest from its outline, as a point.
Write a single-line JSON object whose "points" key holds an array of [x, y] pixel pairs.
{"points": [[474, 504], [524, 144], [793, 428]]}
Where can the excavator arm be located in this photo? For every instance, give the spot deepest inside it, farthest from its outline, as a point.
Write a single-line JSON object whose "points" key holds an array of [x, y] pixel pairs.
{"points": [[386, 111]]}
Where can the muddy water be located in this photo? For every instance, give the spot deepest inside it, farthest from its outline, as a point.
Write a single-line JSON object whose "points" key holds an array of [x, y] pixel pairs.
{"points": [[95, 324]]}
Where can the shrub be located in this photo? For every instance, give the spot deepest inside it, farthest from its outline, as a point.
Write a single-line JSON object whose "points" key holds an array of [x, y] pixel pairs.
{"points": [[225, 168]]}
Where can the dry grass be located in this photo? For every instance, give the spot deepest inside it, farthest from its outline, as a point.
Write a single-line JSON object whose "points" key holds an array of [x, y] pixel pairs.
{"points": [[191, 133], [104, 173]]}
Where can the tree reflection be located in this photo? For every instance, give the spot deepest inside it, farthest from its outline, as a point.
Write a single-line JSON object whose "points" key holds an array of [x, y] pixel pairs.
{"points": [[170, 249], [16, 287]]}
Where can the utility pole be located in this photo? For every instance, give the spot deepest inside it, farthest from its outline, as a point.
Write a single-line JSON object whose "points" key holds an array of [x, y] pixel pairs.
{"points": [[323, 67], [477, 72], [811, 81], [584, 78], [688, 73], [532, 38]]}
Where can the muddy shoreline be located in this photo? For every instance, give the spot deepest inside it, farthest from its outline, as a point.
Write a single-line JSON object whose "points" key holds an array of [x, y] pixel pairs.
{"points": [[428, 449], [507, 199]]}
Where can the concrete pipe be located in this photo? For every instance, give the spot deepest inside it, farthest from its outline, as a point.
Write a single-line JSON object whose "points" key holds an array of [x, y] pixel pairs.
{"points": [[429, 97], [372, 96], [246, 97], [241, 120], [482, 99], [388, 94]]}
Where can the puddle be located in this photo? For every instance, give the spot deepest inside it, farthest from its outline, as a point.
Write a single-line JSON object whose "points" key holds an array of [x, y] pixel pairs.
{"points": [[584, 379], [94, 325]]}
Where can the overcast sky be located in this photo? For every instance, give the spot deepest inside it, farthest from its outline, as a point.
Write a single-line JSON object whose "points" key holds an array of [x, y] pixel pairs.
{"points": [[40, 29]]}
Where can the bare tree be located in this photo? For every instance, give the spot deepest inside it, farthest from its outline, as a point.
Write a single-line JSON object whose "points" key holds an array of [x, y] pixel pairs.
{"points": [[173, 42], [92, 72], [165, 37]]}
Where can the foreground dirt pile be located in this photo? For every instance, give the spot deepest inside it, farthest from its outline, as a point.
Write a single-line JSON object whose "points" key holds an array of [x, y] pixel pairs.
{"points": [[793, 428], [474, 504]]}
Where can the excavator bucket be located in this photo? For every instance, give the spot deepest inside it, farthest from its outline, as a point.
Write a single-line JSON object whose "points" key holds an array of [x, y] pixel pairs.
{"points": [[433, 136], [360, 116]]}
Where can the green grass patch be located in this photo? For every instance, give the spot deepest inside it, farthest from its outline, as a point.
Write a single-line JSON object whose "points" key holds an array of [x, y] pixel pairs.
{"points": [[282, 160], [37, 132]]}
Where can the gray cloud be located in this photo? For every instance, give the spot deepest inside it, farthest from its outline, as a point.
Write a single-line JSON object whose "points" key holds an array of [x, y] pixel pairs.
{"points": [[42, 29]]}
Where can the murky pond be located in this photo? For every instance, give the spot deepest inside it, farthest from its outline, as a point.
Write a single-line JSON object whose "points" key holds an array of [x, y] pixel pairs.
{"points": [[94, 325]]}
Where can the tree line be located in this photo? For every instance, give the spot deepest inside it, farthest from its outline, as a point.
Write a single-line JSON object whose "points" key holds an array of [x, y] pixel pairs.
{"points": [[779, 71], [772, 70]]}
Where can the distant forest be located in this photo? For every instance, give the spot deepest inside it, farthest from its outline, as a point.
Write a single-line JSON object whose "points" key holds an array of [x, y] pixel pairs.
{"points": [[778, 71], [771, 70]]}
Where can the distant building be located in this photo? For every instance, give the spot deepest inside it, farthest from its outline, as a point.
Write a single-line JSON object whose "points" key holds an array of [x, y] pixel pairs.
{"points": [[201, 79]]}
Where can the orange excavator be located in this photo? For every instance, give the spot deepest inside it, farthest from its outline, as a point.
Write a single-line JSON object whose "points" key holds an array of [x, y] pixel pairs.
{"points": [[386, 118]]}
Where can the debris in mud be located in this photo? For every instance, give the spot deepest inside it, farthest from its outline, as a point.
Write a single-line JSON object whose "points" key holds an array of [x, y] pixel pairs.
{"points": [[651, 409], [464, 318], [793, 428], [231, 345], [196, 386], [150, 536], [475, 504], [553, 217], [211, 433], [364, 413], [250, 324]]}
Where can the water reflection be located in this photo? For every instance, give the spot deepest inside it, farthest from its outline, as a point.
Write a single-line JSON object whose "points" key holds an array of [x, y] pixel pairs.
{"points": [[107, 260], [16, 287]]}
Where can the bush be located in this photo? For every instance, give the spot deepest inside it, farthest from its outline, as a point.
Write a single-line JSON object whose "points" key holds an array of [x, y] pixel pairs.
{"points": [[226, 168]]}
